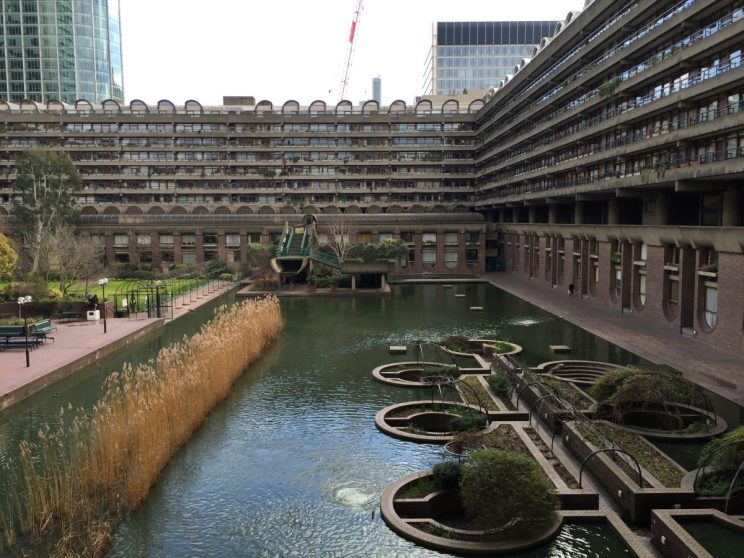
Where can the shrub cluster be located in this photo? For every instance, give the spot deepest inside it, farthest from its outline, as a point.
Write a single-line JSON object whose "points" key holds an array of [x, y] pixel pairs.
{"points": [[506, 491]]}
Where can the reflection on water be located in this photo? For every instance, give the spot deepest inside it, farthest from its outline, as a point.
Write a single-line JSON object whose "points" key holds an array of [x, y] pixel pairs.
{"points": [[720, 541], [291, 463]]}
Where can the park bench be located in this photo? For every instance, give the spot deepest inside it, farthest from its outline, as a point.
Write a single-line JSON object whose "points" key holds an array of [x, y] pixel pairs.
{"points": [[67, 316], [13, 337], [42, 330]]}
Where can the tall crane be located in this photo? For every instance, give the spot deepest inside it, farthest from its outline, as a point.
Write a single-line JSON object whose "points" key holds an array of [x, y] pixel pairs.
{"points": [[350, 52]]}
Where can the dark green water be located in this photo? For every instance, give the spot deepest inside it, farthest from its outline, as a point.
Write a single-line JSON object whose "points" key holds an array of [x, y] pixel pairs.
{"points": [[720, 541], [291, 463]]}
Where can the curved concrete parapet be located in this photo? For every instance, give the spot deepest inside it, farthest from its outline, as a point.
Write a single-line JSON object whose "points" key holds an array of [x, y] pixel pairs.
{"points": [[405, 374], [393, 425], [578, 372], [457, 541], [718, 427], [488, 344]]}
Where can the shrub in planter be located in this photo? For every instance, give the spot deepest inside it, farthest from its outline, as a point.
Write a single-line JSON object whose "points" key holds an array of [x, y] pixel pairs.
{"points": [[499, 384], [225, 277], [446, 475], [727, 459], [506, 491], [458, 343], [619, 389], [469, 420]]}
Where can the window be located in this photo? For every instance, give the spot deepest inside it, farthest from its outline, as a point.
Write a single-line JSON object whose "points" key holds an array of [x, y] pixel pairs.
{"points": [[189, 258], [429, 256], [450, 238], [166, 239], [450, 259], [711, 306], [642, 289], [121, 240], [188, 240], [232, 239], [429, 238], [382, 237], [617, 282], [144, 239]]}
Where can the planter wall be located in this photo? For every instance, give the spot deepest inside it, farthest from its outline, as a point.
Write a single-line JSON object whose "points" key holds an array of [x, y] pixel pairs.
{"points": [[636, 501]]}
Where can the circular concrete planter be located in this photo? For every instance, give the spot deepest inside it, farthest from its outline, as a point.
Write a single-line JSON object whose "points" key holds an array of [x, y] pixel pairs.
{"points": [[579, 372], [485, 345], [410, 517], [653, 415], [406, 374], [432, 423]]}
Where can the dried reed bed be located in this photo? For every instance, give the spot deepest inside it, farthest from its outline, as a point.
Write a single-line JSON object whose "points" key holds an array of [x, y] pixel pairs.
{"points": [[76, 481]]}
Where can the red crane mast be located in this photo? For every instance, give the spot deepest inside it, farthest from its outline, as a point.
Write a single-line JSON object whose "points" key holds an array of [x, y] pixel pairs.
{"points": [[350, 52]]}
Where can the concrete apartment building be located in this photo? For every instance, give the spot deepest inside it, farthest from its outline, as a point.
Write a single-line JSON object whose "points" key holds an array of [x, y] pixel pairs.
{"points": [[612, 161]]}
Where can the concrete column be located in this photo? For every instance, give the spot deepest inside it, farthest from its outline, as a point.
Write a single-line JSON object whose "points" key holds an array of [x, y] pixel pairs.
{"points": [[221, 248], [656, 209], [177, 250], [108, 242], [532, 214], [578, 213], [353, 282], [133, 259], [418, 265], [462, 239], [155, 250], [515, 215], [613, 212], [383, 281], [243, 248], [199, 248], [552, 213], [481, 253], [440, 252], [731, 211]]}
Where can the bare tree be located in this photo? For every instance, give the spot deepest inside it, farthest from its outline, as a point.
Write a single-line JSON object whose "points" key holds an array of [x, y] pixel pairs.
{"points": [[73, 257], [46, 182], [339, 237], [259, 257]]}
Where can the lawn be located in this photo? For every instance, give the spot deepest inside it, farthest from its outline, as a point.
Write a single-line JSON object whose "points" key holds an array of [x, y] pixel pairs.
{"points": [[118, 287]]}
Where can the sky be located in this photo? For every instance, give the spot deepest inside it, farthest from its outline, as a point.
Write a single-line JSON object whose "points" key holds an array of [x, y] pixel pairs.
{"points": [[293, 49]]}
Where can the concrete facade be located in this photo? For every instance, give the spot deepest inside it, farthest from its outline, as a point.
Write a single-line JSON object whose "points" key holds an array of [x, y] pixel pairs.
{"points": [[612, 160]]}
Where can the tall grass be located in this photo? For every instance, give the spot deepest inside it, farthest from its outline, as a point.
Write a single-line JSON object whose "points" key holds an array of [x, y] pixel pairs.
{"points": [[74, 483]]}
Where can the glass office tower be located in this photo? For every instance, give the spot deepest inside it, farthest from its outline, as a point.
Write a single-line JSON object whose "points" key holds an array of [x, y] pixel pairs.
{"points": [[476, 54], [61, 50]]}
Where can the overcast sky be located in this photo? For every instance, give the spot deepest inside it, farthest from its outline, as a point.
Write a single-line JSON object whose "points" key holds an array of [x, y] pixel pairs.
{"points": [[293, 49]]}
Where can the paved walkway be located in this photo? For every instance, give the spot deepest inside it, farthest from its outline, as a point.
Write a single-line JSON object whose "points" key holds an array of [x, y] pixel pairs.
{"points": [[77, 344], [720, 371]]}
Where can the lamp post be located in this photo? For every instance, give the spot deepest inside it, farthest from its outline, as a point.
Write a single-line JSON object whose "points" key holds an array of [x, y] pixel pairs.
{"points": [[22, 301], [157, 297], [102, 283]]}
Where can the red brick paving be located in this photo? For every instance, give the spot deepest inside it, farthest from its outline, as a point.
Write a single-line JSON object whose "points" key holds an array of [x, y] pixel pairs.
{"points": [[75, 345], [720, 371]]}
